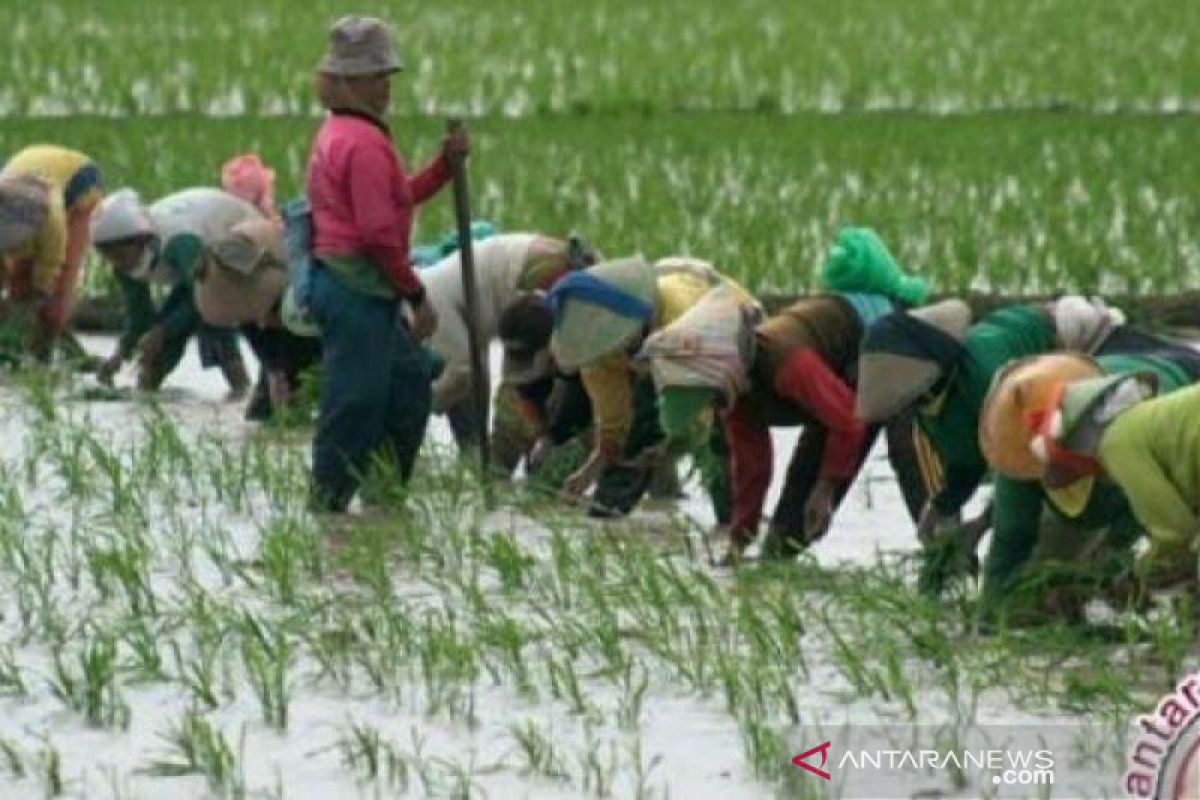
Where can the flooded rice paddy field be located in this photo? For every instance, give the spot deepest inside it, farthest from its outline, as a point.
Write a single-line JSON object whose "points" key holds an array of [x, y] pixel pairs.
{"points": [[173, 621]]}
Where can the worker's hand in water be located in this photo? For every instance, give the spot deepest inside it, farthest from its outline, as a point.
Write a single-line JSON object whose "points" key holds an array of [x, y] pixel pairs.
{"points": [[933, 523], [150, 346], [109, 369], [818, 511], [731, 555], [424, 321], [648, 458], [538, 454], [575, 486]]}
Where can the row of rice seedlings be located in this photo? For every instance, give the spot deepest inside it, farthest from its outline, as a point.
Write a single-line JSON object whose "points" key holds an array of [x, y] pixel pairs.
{"points": [[365, 751], [1019, 204]]}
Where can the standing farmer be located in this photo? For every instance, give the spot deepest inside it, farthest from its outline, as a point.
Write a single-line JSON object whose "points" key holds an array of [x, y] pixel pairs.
{"points": [[375, 385], [47, 196]]}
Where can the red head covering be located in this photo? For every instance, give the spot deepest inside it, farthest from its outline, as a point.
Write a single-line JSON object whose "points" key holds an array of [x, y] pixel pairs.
{"points": [[247, 177]]}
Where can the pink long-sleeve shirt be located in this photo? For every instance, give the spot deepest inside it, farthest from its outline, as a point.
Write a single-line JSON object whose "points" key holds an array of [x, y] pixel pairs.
{"points": [[362, 199]]}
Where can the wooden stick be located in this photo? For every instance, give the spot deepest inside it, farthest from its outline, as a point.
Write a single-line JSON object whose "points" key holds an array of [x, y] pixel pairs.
{"points": [[479, 381]]}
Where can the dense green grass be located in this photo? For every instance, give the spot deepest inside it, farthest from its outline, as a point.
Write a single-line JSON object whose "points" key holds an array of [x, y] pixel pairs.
{"points": [[521, 57], [1017, 202]]}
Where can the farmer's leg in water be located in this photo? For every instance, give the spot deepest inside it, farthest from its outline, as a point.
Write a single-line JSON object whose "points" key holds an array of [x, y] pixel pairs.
{"points": [[160, 360], [219, 348], [906, 464], [714, 470], [409, 400], [258, 407], [464, 425], [282, 358], [559, 406], [358, 343], [1076, 560]]}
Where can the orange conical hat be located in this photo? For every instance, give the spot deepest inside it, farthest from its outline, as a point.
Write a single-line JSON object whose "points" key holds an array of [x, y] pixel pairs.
{"points": [[1021, 394]]}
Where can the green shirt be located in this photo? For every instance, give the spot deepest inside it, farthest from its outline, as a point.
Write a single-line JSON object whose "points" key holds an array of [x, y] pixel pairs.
{"points": [[951, 421]]}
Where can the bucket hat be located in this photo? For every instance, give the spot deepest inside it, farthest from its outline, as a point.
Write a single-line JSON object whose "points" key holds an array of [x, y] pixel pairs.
{"points": [[359, 46]]}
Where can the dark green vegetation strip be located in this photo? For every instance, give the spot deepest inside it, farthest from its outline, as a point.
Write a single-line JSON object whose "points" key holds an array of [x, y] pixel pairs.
{"points": [[1017, 203]]}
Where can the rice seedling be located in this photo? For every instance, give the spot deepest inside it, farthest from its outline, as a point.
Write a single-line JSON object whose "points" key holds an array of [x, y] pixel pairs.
{"points": [[597, 764], [196, 747], [145, 658], [565, 685], [541, 755], [509, 561], [290, 556], [13, 760], [633, 686], [50, 761], [88, 683], [199, 674], [12, 682], [266, 656], [122, 566], [364, 751], [448, 665]]}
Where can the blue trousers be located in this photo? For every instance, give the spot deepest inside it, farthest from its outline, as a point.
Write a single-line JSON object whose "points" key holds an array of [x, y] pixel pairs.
{"points": [[376, 391]]}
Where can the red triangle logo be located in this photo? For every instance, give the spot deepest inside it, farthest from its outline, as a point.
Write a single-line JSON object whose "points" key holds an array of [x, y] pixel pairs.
{"points": [[823, 749]]}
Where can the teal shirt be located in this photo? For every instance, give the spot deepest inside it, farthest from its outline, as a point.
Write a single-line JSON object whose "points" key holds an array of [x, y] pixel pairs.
{"points": [[1018, 505], [951, 421]]}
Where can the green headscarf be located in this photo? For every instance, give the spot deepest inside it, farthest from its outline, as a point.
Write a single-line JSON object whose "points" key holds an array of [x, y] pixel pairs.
{"points": [[859, 261], [680, 406]]}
